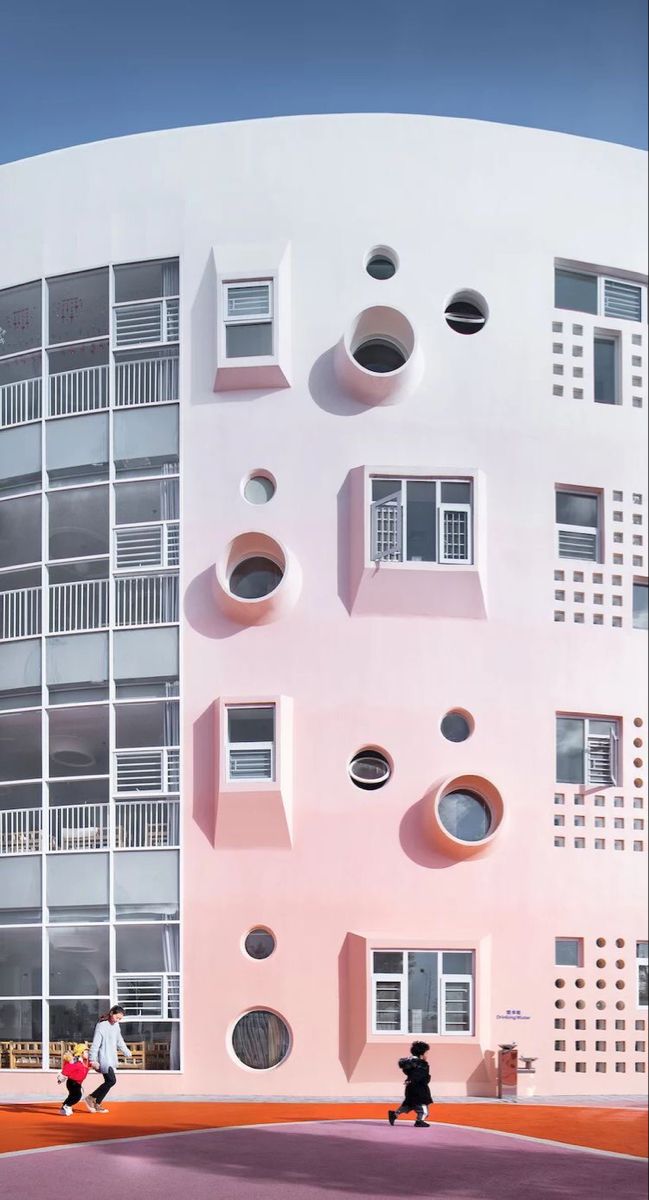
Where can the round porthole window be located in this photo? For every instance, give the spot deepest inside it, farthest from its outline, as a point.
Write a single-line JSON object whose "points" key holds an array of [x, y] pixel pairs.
{"points": [[456, 727], [255, 577], [466, 313], [259, 489], [381, 263], [260, 1040], [369, 769], [380, 355], [259, 944], [465, 815]]}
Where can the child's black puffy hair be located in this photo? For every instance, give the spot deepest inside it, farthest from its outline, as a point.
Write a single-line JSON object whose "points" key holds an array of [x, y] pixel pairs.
{"points": [[419, 1048]]}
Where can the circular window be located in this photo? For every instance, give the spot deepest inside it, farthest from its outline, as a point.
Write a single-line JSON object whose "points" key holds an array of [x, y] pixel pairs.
{"points": [[260, 1040], [381, 263], [466, 313], [259, 489], [465, 815], [255, 577], [455, 727], [259, 943], [369, 769], [380, 356]]}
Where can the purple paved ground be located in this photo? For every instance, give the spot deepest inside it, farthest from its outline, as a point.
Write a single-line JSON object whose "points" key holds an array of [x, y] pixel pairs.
{"points": [[345, 1161]]}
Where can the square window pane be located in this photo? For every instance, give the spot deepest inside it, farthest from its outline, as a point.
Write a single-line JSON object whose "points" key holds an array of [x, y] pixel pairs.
{"points": [[622, 300], [20, 317], [20, 884], [251, 724], [20, 458], [640, 606], [383, 488], [20, 531], [20, 1021], [148, 500], [147, 948], [576, 508], [78, 522], [457, 962], [79, 741], [146, 440], [73, 1021], [78, 306], [146, 885], [146, 280], [20, 962], [79, 961], [160, 1041], [574, 290], [570, 750], [422, 992], [249, 340], [567, 952], [77, 884], [77, 449], [456, 493], [20, 738]]}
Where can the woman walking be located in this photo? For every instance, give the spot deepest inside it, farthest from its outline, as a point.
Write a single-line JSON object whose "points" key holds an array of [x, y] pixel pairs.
{"points": [[107, 1041]]}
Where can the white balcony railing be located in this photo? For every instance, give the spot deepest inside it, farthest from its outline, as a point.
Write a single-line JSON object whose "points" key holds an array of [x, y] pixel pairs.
{"points": [[78, 827], [146, 321], [20, 830], [78, 606], [20, 402], [147, 546], [146, 600], [20, 613], [148, 770], [146, 381], [82, 391], [146, 824], [149, 995]]}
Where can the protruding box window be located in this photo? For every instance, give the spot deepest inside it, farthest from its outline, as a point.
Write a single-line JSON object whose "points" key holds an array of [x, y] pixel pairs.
{"points": [[422, 991], [421, 520], [251, 743]]}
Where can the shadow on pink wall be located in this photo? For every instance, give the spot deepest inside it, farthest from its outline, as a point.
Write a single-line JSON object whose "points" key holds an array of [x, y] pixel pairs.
{"points": [[204, 764]]}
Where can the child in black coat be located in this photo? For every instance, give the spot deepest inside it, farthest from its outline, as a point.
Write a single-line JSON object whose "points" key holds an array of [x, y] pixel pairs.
{"points": [[417, 1097]]}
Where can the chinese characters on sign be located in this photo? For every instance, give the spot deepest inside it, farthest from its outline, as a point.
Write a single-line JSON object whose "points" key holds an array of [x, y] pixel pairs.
{"points": [[512, 1014]]}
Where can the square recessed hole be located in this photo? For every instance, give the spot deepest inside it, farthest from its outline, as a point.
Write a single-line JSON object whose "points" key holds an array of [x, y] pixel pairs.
{"points": [[577, 393], [578, 618], [559, 616], [580, 1068], [557, 369], [618, 845], [559, 842], [578, 330], [620, 1068], [600, 844], [557, 326], [600, 1067], [580, 843], [578, 577]]}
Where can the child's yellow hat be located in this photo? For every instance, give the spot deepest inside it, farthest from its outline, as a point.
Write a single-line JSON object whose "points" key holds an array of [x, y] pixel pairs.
{"points": [[79, 1049]]}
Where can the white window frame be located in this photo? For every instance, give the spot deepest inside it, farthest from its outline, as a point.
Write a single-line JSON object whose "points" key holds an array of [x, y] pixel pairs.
{"points": [[641, 961], [590, 530], [248, 319], [231, 747], [399, 499], [614, 753], [402, 981], [602, 280]]}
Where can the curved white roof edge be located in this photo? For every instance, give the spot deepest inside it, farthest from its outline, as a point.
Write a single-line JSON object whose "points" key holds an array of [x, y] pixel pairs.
{"points": [[466, 122]]}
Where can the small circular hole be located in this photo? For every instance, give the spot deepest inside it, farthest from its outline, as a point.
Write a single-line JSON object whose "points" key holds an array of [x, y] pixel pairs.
{"points": [[619, 942], [638, 783], [466, 313], [580, 983], [381, 263], [259, 488], [600, 964], [637, 742], [638, 722], [559, 1004], [559, 983], [620, 984], [601, 983], [600, 1004], [580, 1004], [620, 964], [601, 941], [456, 727], [259, 943], [638, 762], [620, 1005]]}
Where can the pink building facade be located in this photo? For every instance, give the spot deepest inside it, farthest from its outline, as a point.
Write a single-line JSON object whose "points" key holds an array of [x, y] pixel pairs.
{"points": [[324, 576]]}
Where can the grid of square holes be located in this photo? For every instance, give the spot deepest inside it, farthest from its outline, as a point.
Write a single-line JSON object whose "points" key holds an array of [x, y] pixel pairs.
{"points": [[606, 820], [572, 360], [601, 1025], [590, 593]]}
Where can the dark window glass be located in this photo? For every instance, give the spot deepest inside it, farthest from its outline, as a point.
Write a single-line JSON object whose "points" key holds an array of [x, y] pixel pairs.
{"points": [[146, 281], [465, 816], [382, 488], [388, 962], [570, 750], [260, 1040], [369, 769], [20, 318], [254, 578], [456, 493], [576, 508], [422, 991], [455, 727], [251, 724], [576, 291], [605, 356], [457, 962], [78, 306], [640, 606], [567, 952], [420, 521], [259, 943], [380, 266], [380, 356]]}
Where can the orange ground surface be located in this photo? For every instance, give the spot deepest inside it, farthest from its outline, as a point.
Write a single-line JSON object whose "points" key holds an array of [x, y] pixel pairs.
{"points": [[29, 1126]]}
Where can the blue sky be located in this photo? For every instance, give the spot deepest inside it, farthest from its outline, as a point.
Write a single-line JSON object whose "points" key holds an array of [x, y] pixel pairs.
{"points": [[73, 71]]}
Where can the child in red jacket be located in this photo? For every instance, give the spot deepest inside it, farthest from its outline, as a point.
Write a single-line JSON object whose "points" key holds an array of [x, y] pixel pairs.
{"points": [[74, 1070]]}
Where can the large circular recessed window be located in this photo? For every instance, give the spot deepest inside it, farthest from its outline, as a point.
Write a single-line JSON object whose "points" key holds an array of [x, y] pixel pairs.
{"points": [[456, 727], [255, 577], [259, 488], [380, 355], [466, 313], [369, 769], [381, 263], [260, 1040], [259, 943], [465, 815]]}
